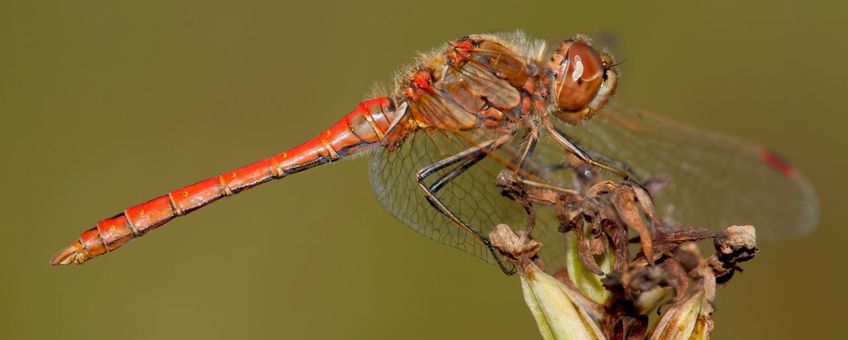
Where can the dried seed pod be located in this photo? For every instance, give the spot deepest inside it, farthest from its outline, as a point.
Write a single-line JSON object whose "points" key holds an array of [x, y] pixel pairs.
{"points": [[604, 290], [690, 318], [553, 305], [737, 244]]}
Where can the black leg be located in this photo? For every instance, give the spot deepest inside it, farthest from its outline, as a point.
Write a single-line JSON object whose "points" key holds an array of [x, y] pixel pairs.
{"points": [[468, 158], [582, 155], [467, 163], [613, 162]]}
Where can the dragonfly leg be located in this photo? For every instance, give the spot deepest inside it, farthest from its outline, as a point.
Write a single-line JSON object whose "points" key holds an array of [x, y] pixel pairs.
{"points": [[466, 159], [582, 155], [528, 145], [611, 161], [468, 162]]}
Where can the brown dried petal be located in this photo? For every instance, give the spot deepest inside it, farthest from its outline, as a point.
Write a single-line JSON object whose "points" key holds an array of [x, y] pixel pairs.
{"points": [[579, 273], [623, 199], [586, 256], [644, 201], [618, 237], [676, 277]]}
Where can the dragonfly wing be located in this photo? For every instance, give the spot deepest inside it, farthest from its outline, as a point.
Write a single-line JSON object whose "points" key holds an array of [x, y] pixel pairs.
{"points": [[473, 195], [715, 180]]}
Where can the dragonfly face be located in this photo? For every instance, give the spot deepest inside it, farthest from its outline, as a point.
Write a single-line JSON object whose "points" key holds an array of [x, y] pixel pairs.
{"points": [[580, 80]]}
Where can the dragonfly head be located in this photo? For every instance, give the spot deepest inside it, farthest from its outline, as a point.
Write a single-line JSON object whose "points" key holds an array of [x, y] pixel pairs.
{"points": [[580, 80]]}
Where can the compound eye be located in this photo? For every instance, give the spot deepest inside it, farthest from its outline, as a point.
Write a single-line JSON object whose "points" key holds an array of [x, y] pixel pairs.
{"points": [[608, 87], [579, 73]]}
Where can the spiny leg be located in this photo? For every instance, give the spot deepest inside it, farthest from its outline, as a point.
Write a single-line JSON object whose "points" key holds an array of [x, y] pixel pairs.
{"points": [[475, 158], [582, 155], [528, 146], [612, 162], [468, 162], [468, 158], [617, 163]]}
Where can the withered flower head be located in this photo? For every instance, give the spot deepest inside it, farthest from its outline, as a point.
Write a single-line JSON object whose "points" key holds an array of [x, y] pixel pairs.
{"points": [[662, 290]]}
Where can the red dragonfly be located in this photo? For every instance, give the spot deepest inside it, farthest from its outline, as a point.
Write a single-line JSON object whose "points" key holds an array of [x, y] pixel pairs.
{"points": [[484, 103]]}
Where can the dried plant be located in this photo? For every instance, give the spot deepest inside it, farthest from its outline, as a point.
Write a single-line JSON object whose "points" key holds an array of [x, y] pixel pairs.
{"points": [[612, 289]]}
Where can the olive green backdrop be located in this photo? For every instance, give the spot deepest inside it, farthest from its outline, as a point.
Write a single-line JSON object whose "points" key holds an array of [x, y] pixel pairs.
{"points": [[105, 105]]}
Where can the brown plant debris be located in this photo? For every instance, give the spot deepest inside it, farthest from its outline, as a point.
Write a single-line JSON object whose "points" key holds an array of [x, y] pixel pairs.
{"points": [[666, 276]]}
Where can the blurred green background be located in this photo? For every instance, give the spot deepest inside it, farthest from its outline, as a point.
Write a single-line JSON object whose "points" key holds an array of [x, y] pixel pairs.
{"points": [[107, 104]]}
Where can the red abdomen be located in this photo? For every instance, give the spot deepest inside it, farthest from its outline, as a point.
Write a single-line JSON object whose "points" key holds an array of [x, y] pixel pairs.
{"points": [[362, 128]]}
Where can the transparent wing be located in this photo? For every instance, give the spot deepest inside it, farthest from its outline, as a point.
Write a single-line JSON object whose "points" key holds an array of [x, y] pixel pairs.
{"points": [[715, 180], [473, 195]]}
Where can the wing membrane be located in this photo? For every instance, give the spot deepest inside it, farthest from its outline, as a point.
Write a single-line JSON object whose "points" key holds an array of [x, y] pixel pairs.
{"points": [[473, 195], [715, 180]]}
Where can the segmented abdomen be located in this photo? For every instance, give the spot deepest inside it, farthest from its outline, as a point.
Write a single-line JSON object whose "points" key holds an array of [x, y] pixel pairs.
{"points": [[360, 129]]}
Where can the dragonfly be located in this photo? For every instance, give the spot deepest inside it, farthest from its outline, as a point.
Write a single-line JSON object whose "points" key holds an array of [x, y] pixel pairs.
{"points": [[485, 103]]}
